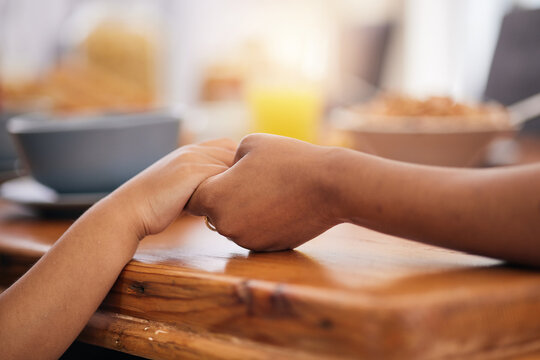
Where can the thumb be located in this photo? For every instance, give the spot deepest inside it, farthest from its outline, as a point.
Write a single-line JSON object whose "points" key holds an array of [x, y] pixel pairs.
{"points": [[194, 205], [201, 201]]}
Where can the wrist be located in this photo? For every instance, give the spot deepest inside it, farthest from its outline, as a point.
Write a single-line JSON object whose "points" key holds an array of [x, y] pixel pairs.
{"points": [[110, 229], [331, 187], [119, 208], [351, 179]]}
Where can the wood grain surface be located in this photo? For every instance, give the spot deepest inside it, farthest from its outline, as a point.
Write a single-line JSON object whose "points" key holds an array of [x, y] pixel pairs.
{"points": [[350, 293]]}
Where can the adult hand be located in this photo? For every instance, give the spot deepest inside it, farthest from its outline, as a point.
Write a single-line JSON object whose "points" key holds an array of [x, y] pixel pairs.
{"points": [[275, 197]]}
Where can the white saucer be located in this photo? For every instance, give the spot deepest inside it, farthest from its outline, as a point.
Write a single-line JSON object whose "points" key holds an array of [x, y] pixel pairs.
{"points": [[27, 191]]}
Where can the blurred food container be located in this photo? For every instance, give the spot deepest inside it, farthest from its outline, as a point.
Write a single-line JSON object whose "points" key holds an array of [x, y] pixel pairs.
{"points": [[119, 43], [92, 153], [225, 77], [222, 83], [436, 131], [109, 57], [217, 119]]}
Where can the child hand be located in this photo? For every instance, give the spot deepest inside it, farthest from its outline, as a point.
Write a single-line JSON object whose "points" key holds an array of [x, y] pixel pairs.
{"points": [[155, 197]]}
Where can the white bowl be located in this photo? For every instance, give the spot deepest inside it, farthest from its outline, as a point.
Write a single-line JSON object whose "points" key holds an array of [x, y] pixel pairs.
{"points": [[444, 141]]}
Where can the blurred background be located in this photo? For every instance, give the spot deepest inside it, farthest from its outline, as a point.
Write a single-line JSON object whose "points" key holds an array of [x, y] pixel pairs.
{"points": [[237, 66]]}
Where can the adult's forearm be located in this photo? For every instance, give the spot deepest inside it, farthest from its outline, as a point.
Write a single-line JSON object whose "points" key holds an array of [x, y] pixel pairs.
{"points": [[492, 212]]}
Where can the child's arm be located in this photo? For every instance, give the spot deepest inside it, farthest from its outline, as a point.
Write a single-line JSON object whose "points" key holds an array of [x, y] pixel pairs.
{"points": [[46, 309]]}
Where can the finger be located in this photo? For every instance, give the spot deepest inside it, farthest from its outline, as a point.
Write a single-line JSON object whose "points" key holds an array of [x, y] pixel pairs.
{"points": [[203, 200], [224, 156], [194, 204], [223, 143], [197, 204], [243, 150]]}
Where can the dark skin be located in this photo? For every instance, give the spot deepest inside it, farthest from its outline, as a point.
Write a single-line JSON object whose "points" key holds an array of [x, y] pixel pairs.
{"points": [[282, 192]]}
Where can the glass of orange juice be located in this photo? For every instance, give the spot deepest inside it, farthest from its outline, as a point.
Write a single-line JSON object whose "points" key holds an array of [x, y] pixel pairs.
{"points": [[287, 109]]}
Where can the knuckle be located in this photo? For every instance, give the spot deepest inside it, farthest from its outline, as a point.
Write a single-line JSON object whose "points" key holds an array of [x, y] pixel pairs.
{"points": [[189, 167], [189, 148], [250, 140], [187, 155], [248, 144]]}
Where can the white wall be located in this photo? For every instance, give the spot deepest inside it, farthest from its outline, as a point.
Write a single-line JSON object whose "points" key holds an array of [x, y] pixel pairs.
{"points": [[204, 30], [448, 45], [445, 46], [28, 35]]}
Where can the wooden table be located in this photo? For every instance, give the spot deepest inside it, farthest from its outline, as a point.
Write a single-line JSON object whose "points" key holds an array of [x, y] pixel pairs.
{"points": [[350, 293]]}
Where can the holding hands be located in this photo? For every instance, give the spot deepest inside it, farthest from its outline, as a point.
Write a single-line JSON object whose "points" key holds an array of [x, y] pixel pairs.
{"points": [[274, 197], [275, 193], [269, 193], [280, 192]]}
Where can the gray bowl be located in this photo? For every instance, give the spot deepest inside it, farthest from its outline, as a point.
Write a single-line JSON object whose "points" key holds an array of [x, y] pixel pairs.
{"points": [[8, 154], [92, 154]]}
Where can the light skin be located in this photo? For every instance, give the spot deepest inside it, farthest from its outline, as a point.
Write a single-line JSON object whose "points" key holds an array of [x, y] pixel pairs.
{"points": [[48, 307], [283, 192]]}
